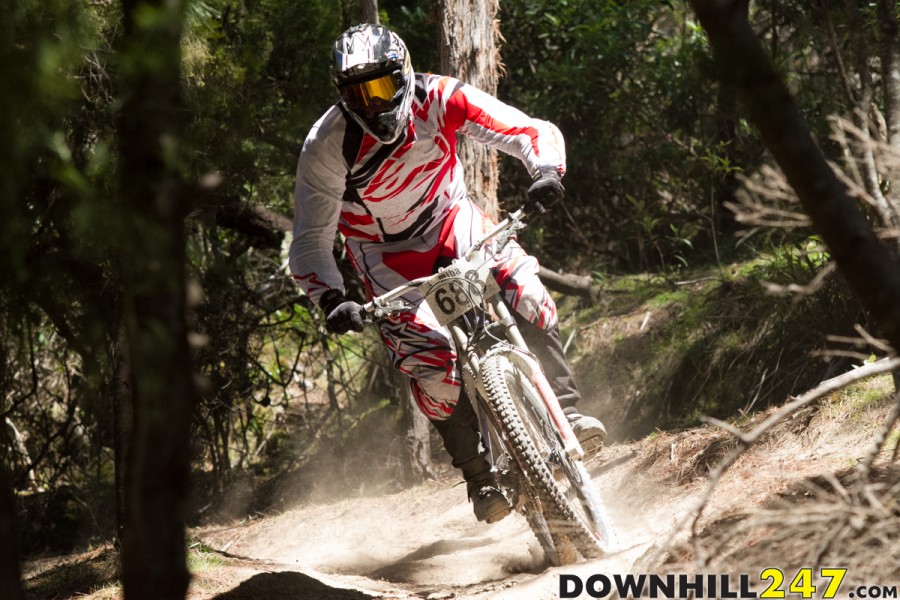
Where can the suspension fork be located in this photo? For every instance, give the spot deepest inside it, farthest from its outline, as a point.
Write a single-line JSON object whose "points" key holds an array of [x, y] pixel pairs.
{"points": [[470, 368], [526, 361]]}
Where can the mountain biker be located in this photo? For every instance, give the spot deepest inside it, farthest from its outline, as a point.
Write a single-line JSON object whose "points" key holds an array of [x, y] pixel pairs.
{"points": [[381, 167]]}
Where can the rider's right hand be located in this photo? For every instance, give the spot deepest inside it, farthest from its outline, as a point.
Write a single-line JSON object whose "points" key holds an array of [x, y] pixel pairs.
{"points": [[546, 190], [341, 315]]}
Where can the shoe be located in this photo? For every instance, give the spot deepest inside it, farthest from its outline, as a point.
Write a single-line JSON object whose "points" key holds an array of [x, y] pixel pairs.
{"points": [[488, 502], [590, 431]]}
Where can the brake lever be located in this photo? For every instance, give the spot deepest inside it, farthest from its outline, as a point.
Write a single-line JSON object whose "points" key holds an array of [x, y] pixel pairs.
{"points": [[387, 309], [516, 224]]}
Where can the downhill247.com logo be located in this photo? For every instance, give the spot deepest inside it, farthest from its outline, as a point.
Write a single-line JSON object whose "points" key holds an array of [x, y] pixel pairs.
{"points": [[772, 583]]}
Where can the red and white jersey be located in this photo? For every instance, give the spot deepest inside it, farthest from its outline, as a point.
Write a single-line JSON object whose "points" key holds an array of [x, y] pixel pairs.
{"points": [[373, 192]]}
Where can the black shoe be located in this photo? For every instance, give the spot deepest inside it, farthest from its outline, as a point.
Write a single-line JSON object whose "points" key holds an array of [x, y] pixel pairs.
{"points": [[590, 431], [488, 502]]}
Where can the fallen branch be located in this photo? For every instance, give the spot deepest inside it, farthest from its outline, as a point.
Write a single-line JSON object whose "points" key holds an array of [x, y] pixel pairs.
{"points": [[265, 226], [567, 283]]}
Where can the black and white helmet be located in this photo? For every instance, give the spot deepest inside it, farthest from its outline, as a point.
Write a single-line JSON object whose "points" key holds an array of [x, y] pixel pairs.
{"points": [[372, 72]]}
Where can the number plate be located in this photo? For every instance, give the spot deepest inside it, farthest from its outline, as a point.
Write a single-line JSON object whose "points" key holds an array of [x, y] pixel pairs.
{"points": [[459, 288]]}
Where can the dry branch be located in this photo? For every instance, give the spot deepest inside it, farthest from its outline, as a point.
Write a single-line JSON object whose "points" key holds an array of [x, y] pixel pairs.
{"points": [[567, 283], [870, 268]]}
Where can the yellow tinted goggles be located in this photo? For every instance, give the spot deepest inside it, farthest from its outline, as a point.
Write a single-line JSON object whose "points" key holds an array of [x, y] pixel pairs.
{"points": [[360, 95]]}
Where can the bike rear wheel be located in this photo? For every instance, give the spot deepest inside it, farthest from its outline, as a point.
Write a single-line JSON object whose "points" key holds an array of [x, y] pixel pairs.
{"points": [[564, 514]]}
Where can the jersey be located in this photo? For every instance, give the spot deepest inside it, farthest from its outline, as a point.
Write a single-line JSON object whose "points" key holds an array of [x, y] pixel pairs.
{"points": [[371, 192]]}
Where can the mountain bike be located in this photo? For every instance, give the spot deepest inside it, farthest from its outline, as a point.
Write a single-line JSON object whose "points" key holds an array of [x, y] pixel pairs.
{"points": [[529, 441]]}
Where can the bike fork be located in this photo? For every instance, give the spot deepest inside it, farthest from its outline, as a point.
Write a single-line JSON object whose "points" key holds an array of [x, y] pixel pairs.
{"points": [[532, 368]]}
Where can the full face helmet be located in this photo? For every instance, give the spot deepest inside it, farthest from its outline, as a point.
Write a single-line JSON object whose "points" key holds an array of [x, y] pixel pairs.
{"points": [[372, 72]]}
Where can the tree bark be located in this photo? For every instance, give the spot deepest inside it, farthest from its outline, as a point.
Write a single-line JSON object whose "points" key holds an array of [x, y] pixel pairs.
{"points": [[468, 50], [890, 69], [153, 257], [890, 78], [10, 573], [727, 119], [123, 421], [862, 116], [416, 462], [870, 268]]}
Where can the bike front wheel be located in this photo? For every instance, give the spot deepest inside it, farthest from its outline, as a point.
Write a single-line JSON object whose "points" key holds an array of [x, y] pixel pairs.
{"points": [[565, 512]]}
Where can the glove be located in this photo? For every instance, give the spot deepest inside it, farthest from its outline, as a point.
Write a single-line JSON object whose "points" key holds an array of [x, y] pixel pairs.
{"points": [[341, 315], [546, 190]]}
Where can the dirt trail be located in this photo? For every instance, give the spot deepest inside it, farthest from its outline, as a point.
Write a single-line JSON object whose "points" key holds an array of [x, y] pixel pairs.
{"points": [[424, 542]]}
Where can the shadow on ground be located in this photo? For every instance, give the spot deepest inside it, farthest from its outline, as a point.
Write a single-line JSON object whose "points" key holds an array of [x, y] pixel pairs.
{"points": [[288, 584]]}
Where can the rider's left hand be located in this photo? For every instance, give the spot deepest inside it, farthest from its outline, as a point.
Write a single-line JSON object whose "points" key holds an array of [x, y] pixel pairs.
{"points": [[341, 315], [546, 190]]}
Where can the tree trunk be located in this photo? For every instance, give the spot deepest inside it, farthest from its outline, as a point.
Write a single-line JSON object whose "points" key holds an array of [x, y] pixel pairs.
{"points": [[862, 117], [152, 247], [10, 574], [890, 77], [123, 420], [468, 51], [368, 11], [869, 267], [14, 228], [415, 464], [890, 69], [727, 119], [417, 458]]}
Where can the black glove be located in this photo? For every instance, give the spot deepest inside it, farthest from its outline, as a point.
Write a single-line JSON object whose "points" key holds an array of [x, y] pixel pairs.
{"points": [[546, 190], [341, 315]]}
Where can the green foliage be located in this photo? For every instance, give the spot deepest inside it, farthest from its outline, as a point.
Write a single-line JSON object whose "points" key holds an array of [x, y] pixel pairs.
{"points": [[795, 261], [34, 99], [628, 84], [202, 558], [716, 347], [416, 24], [257, 79]]}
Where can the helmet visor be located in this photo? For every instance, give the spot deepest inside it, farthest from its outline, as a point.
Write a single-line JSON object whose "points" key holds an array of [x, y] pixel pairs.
{"points": [[363, 95]]}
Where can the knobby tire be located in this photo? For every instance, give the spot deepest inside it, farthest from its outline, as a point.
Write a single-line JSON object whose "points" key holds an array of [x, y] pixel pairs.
{"points": [[566, 528]]}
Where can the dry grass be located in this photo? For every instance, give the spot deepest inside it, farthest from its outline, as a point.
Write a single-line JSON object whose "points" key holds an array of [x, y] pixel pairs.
{"points": [[822, 522], [93, 574], [818, 509]]}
